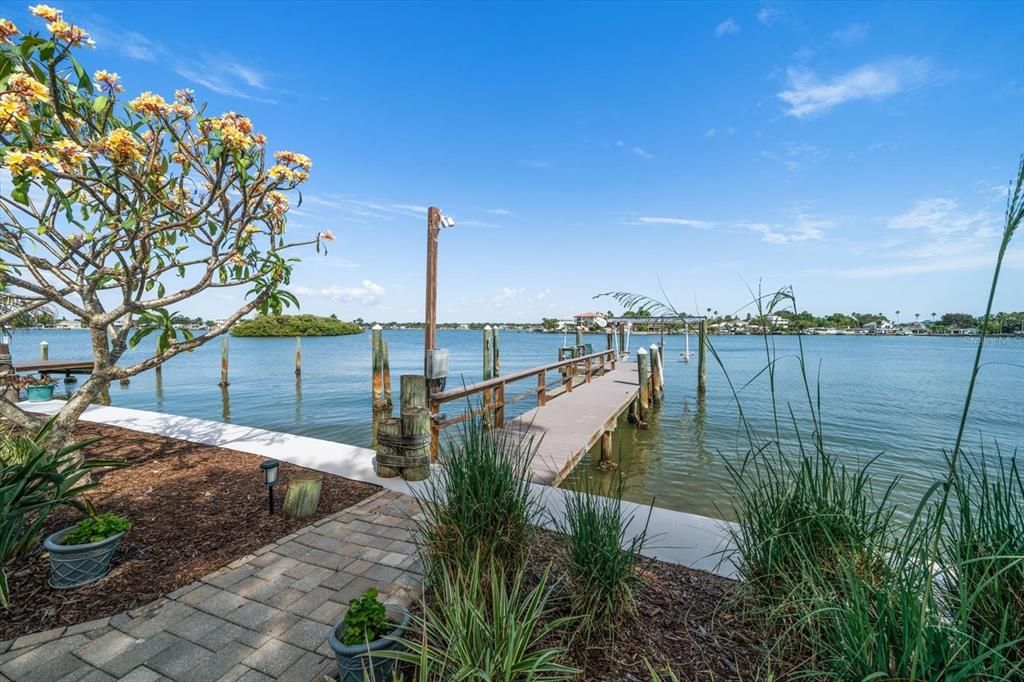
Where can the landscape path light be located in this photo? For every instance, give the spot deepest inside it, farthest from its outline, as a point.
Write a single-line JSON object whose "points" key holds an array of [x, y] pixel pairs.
{"points": [[270, 469]]}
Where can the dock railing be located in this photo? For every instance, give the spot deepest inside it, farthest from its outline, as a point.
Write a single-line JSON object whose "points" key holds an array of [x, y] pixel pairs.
{"points": [[493, 400]]}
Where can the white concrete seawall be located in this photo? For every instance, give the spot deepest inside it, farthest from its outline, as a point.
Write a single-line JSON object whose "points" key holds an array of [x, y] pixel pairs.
{"points": [[677, 537]]}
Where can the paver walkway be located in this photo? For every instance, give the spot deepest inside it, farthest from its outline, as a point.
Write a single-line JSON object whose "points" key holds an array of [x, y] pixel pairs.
{"points": [[265, 616]]}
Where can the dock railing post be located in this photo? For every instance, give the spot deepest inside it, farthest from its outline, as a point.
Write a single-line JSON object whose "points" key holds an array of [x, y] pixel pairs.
{"points": [[542, 383]]}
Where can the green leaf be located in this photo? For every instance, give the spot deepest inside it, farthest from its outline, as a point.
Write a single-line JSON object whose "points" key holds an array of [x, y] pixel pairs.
{"points": [[83, 76], [20, 191], [100, 103]]}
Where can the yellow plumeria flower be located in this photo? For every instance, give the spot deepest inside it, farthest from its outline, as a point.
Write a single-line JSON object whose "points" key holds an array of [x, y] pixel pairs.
{"points": [[294, 159], [326, 236], [111, 81], [45, 12], [74, 35], [12, 110], [121, 147], [7, 29], [27, 87], [149, 104], [278, 203], [70, 154], [21, 163]]}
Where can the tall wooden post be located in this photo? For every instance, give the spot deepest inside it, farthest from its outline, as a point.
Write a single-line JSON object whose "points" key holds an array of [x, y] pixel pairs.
{"points": [[644, 375], [298, 355], [609, 338], [223, 362], [579, 337], [430, 321], [385, 365], [702, 359], [622, 339], [496, 364], [655, 373], [488, 373], [377, 366], [44, 351]]}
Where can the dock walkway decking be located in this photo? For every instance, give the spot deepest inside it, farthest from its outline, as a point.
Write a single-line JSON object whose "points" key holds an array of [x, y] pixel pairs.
{"points": [[568, 427]]}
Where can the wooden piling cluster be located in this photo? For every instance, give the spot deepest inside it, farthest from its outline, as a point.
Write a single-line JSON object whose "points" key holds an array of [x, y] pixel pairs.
{"points": [[403, 442], [381, 369]]}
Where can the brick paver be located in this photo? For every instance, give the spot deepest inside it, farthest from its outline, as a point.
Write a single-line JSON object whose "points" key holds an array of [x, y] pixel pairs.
{"points": [[264, 616]]}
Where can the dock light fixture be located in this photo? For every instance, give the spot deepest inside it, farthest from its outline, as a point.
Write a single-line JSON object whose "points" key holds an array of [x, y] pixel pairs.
{"points": [[269, 468]]}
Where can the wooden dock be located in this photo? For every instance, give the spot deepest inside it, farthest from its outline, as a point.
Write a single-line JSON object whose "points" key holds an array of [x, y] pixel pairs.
{"points": [[55, 366], [566, 429], [572, 414]]}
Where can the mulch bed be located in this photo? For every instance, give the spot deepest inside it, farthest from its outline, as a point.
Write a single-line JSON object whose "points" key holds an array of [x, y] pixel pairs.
{"points": [[194, 508], [688, 621]]}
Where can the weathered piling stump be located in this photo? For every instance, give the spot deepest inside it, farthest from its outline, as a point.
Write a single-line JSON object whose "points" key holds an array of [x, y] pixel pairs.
{"points": [[223, 362], [413, 389], [416, 437], [605, 462], [644, 375], [389, 441]]}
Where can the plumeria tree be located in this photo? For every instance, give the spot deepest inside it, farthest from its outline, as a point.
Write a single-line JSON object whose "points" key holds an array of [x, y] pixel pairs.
{"points": [[115, 209]]}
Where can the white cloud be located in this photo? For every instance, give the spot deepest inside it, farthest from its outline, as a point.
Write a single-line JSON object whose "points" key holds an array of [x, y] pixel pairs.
{"points": [[852, 34], [226, 76], [637, 151], [768, 15], [499, 211], [935, 235], [729, 27], [803, 227], [796, 155], [808, 94], [369, 293], [507, 296], [661, 220], [364, 210], [543, 294]]}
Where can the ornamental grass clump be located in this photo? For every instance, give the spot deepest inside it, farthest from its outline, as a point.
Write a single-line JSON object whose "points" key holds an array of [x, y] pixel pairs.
{"points": [[479, 503], [603, 560], [484, 622]]}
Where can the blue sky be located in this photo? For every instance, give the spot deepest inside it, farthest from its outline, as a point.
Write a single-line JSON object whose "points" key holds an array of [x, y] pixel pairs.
{"points": [[856, 151]]}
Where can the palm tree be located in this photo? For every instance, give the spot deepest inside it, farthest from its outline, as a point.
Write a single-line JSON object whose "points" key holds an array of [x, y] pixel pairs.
{"points": [[897, 318]]}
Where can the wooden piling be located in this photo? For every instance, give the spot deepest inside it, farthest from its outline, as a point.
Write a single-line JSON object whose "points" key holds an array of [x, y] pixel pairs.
{"points": [[609, 338], [579, 338], [385, 365], [44, 350], [496, 363], [223, 362], [606, 450], [377, 366], [644, 375], [413, 389], [298, 355], [488, 373], [622, 339], [389, 431], [702, 353], [656, 373]]}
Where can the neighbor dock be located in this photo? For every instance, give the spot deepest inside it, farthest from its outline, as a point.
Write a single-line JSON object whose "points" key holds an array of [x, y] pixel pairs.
{"points": [[55, 366]]}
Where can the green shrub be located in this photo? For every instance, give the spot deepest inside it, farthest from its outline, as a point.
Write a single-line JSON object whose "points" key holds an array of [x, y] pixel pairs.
{"points": [[485, 624], [34, 483], [96, 528], [479, 502], [294, 325], [602, 563], [365, 620]]}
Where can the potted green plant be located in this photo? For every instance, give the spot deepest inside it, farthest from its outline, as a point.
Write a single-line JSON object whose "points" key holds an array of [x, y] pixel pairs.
{"points": [[39, 389], [369, 626], [81, 554]]}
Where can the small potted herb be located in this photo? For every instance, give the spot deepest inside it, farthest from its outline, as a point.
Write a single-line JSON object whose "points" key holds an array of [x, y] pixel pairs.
{"points": [[368, 626], [81, 554], [39, 389]]}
